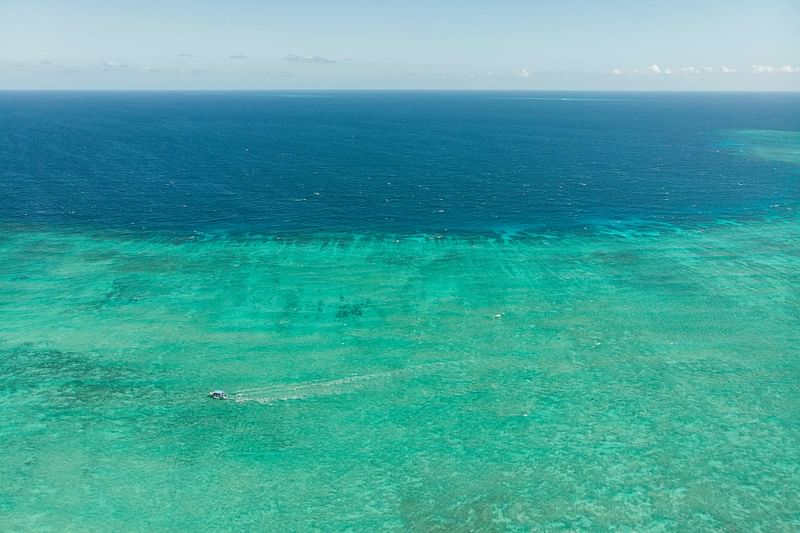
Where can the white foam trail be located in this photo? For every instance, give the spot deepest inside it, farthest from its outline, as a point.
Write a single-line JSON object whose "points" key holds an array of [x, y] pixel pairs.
{"points": [[300, 391]]}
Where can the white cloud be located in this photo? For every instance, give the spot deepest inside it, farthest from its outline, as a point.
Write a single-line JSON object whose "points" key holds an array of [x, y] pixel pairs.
{"points": [[523, 73], [293, 58], [655, 69], [237, 56], [113, 65], [767, 69]]}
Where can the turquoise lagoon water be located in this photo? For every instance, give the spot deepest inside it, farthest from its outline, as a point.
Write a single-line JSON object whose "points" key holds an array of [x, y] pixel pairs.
{"points": [[584, 369]]}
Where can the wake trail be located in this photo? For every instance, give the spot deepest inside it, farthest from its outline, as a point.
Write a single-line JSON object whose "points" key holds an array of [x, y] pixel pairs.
{"points": [[303, 390]]}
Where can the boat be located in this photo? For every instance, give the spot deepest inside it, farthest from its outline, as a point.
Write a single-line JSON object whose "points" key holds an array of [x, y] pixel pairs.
{"points": [[218, 394]]}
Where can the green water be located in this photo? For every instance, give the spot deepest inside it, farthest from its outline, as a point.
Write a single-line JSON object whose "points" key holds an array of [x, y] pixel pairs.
{"points": [[637, 380], [771, 145]]}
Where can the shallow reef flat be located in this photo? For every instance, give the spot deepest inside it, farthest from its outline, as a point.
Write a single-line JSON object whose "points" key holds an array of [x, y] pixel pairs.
{"points": [[637, 378], [771, 145]]}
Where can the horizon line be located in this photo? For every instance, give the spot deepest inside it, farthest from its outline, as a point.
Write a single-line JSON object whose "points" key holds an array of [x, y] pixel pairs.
{"points": [[389, 89]]}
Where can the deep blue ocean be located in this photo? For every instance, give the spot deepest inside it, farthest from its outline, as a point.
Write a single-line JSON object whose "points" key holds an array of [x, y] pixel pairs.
{"points": [[266, 162]]}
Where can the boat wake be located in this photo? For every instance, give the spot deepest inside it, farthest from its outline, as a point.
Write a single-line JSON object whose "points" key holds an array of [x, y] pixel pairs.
{"points": [[310, 389]]}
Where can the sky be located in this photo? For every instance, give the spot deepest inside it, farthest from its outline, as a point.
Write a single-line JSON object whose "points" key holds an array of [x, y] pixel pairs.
{"points": [[409, 44]]}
